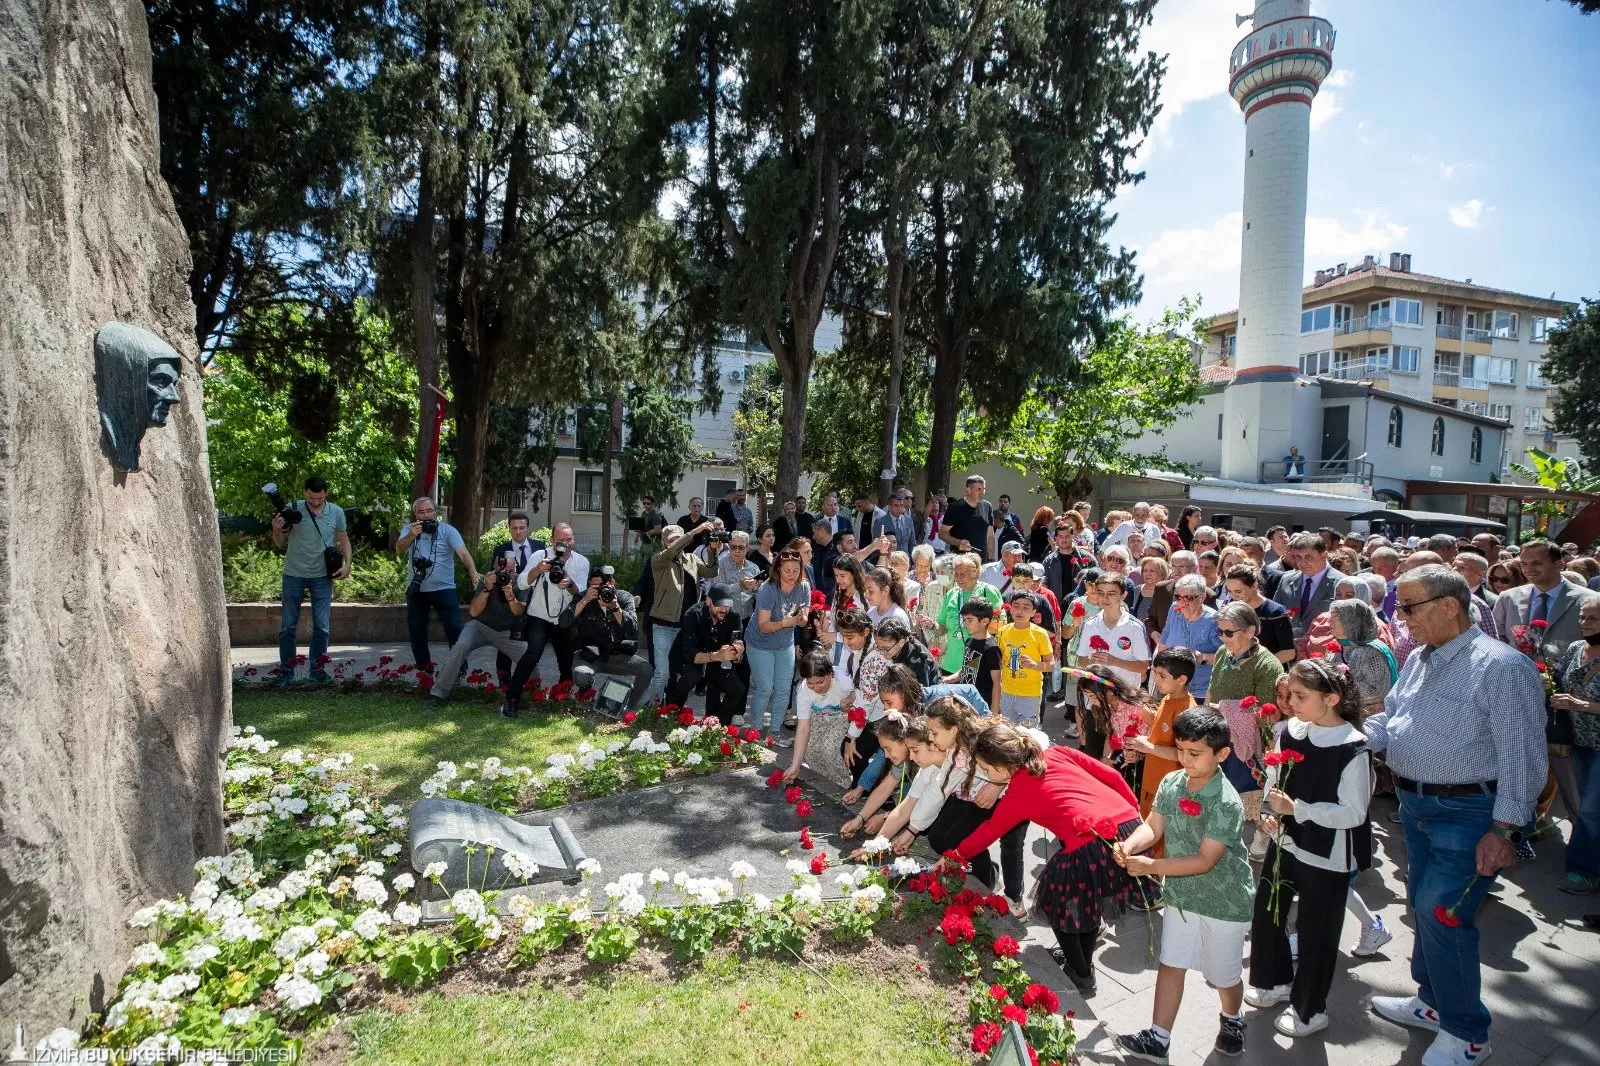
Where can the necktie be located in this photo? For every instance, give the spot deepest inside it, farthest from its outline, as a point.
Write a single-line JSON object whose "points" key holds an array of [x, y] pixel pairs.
{"points": [[850, 666], [1305, 596], [1541, 607], [522, 557], [866, 530]]}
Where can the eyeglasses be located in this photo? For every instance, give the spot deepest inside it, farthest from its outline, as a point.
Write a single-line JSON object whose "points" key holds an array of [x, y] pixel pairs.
{"points": [[1228, 632], [1408, 609], [1190, 598]]}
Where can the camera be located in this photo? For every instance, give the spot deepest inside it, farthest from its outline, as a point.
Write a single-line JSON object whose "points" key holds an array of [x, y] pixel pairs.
{"points": [[430, 526], [419, 569], [290, 514], [608, 594], [558, 563]]}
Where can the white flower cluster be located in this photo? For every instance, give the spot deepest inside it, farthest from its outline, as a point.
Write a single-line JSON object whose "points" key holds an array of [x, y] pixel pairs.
{"points": [[707, 891], [296, 992], [876, 846], [518, 866]]}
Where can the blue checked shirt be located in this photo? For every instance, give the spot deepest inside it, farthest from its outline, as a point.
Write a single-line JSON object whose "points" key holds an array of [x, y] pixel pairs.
{"points": [[1471, 710]]}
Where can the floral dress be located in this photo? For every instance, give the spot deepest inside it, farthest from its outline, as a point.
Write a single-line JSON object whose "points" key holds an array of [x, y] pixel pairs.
{"points": [[1581, 679]]}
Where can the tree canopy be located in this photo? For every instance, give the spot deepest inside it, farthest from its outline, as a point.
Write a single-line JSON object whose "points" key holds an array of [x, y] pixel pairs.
{"points": [[1572, 365]]}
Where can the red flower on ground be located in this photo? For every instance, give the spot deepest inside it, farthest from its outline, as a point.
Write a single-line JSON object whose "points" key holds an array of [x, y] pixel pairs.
{"points": [[686, 718], [775, 779], [1037, 995], [587, 694], [630, 718], [819, 862], [1188, 806], [424, 681], [752, 735], [1446, 917], [803, 808], [725, 748], [732, 731], [1013, 1013], [985, 1035], [385, 660], [998, 993], [967, 899], [806, 842], [998, 903], [1006, 947], [792, 794]]}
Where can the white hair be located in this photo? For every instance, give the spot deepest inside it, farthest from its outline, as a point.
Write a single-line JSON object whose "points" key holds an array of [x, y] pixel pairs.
{"points": [[1190, 583], [922, 551], [739, 536], [1117, 549]]}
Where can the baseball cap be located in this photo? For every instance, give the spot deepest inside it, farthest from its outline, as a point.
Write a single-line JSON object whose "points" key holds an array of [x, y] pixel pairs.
{"points": [[1013, 546], [719, 596]]}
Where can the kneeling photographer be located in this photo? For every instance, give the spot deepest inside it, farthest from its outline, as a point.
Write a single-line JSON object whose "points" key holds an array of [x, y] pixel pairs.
{"points": [[708, 648], [496, 611], [433, 546], [606, 631]]}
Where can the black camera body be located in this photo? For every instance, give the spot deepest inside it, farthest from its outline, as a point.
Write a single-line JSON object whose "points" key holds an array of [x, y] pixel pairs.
{"points": [[281, 507], [558, 563], [608, 594], [430, 526]]}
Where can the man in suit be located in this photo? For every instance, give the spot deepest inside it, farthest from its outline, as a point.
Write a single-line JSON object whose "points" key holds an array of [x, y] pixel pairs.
{"points": [[520, 548], [1307, 590], [869, 522], [831, 517], [724, 511], [1546, 597]]}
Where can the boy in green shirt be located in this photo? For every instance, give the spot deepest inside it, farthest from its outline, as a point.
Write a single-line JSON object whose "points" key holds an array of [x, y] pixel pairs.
{"points": [[1208, 884]]}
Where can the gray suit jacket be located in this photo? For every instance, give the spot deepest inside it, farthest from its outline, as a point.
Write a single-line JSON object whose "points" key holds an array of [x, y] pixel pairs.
{"points": [[1289, 595], [1511, 610]]}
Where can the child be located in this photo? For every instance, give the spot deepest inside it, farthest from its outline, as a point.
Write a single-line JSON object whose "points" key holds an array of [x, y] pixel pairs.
{"points": [[901, 692], [981, 665], [890, 732], [1025, 656], [1106, 703], [1174, 668], [1320, 800], [820, 690], [1072, 796], [1207, 883], [924, 799], [850, 653]]}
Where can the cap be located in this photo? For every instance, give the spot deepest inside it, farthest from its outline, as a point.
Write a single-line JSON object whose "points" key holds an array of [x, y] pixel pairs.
{"points": [[608, 571], [719, 596], [1412, 542], [1013, 546]]}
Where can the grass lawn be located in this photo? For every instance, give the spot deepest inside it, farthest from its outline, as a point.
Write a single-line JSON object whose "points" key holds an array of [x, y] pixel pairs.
{"points": [[403, 739], [731, 1012]]}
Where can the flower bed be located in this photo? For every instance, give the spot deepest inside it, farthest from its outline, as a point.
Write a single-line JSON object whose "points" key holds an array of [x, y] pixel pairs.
{"points": [[318, 896], [386, 675]]}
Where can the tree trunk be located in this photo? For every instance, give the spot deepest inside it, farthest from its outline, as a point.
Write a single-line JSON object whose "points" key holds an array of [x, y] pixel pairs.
{"points": [[613, 444], [472, 436], [949, 363], [895, 243], [425, 326], [796, 371]]}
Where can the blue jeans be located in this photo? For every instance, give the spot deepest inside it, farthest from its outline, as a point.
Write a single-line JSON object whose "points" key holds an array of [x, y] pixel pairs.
{"points": [[294, 591], [661, 638], [771, 676], [1583, 850], [1442, 834], [418, 604]]}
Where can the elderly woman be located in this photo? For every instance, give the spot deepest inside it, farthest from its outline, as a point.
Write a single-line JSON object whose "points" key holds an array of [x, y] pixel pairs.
{"points": [[1578, 694], [1505, 575], [1193, 625], [1152, 571], [1243, 668], [1371, 663], [967, 586], [934, 579]]}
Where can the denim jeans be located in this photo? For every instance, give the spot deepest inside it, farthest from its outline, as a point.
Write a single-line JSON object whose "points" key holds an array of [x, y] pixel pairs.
{"points": [[661, 638], [771, 676], [418, 606], [294, 591], [1583, 850], [1442, 834]]}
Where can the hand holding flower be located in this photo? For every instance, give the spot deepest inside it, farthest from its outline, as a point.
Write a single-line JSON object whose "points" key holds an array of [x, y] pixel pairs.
{"points": [[1280, 801], [1139, 865]]}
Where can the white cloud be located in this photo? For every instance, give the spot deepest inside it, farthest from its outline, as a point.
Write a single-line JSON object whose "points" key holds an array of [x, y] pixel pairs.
{"points": [[1447, 170], [1330, 99], [1468, 215], [1196, 37]]}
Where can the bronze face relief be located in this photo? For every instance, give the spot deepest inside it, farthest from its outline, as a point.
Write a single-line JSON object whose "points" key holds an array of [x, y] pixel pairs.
{"points": [[137, 377]]}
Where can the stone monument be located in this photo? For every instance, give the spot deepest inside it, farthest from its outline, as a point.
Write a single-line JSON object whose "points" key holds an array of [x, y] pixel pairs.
{"points": [[113, 638], [443, 829]]}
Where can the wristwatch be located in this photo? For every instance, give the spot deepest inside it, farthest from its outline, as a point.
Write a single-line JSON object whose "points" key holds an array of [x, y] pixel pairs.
{"points": [[1511, 834]]}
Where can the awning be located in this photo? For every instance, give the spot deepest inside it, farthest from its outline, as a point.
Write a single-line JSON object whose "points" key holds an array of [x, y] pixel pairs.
{"points": [[1249, 496], [1436, 521]]}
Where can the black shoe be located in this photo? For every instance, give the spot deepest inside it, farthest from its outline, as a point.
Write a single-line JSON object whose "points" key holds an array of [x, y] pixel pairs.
{"points": [[509, 707], [1592, 921], [320, 677], [433, 703], [1230, 1038], [1086, 985], [1146, 1045]]}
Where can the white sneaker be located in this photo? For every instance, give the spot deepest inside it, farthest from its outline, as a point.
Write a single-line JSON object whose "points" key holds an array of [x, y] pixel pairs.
{"points": [[1289, 1024], [1070, 730], [1258, 846], [1448, 1050], [1372, 938], [1266, 997], [1406, 1010]]}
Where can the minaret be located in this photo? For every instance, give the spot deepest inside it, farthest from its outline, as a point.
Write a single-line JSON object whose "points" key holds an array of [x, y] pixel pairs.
{"points": [[1274, 74]]}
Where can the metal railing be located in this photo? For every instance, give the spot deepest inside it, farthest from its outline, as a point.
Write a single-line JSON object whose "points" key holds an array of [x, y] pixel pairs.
{"points": [[1362, 323], [1480, 336], [1358, 372], [1504, 334], [1447, 331], [1358, 471], [1447, 377]]}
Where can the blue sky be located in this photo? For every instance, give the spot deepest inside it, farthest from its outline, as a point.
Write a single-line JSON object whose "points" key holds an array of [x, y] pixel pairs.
{"points": [[1465, 132]]}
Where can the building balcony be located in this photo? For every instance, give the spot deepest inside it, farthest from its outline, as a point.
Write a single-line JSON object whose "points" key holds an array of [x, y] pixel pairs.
{"points": [[1447, 332], [1477, 336], [1358, 372], [1363, 324], [1329, 471]]}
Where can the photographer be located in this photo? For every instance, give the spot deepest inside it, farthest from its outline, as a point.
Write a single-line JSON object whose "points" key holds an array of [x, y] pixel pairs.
{"points": [[677, 575], [708, 649], [519, 549], [552, 581], [496, 611], [432, 546], [307, 541], [607, 628], [738, 574]]}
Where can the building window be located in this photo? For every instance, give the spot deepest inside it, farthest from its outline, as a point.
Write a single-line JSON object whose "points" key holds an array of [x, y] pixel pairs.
{"points": [[1498, 370], [1539, 328], [1406, 359], [1219, 425], [1378, 314], [1408, 312], [1231, 345], [1535, 375], [1315, 319], [1397, 426], [1533, 419], [586, 491], [1437, 447], [1502, 411], [1314, 363], [1505, 325], [1475, 451]]}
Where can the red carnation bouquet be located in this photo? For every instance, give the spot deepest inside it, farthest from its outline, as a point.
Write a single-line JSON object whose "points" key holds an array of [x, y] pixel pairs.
{"points": [[1283, 761]]}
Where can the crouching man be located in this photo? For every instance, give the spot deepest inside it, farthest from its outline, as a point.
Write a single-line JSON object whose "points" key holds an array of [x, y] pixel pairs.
{"points": [[606, 621], [496, 610]]}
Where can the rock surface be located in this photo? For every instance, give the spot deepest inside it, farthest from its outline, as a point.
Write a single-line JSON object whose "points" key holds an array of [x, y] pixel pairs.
{"points": [[113, 636]]}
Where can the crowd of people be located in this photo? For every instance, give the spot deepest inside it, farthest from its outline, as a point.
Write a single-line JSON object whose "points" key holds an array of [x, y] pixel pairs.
{"points": [[1231, 705]]}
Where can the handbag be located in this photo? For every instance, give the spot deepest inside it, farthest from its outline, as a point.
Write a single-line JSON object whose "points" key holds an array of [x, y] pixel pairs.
{"points": [[332, 558]]}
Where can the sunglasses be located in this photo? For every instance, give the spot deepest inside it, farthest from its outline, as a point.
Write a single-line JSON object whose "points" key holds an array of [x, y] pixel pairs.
{"points": [[1228, 632], [1408, 609]]}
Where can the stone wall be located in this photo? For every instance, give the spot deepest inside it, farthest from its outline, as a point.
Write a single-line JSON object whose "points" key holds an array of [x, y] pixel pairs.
{"points": [[113, 637]]}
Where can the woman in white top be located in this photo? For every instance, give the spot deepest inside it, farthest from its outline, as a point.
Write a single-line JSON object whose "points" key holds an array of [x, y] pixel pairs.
{"points": [[1114, 638]]}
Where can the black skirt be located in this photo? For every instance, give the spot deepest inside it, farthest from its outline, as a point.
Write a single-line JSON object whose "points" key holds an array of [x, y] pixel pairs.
{"points": [[1082, 889]]}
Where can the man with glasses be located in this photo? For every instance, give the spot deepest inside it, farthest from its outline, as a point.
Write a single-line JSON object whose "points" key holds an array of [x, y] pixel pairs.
{"points": [[1205, 540], [1307, 591], [432, 546], [1140, 522], [738, 575], [1193, 625], [1463, 732]]}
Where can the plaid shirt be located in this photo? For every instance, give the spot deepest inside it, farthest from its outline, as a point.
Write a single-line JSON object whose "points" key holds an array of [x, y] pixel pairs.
{"points": [[1469, 711]]}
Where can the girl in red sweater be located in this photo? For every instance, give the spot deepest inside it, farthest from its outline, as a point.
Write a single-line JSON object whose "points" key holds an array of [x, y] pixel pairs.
{"points": [[1085, 803]]}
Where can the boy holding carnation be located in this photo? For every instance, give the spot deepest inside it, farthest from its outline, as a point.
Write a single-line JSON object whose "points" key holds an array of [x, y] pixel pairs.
{"points": [[1208, 884]]}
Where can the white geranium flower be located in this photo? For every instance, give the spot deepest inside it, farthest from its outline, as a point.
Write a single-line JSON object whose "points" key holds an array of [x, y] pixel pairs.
{"points": [[868, 898], [314, 963], [161, 1047], [339, 885], [521, 905], [876, 846], [560, 760], [556, 773], [391, 809], [846, 880], [680, 879], [371, 868], [631, 904], [588, 868], [518, 866], [294, 757], [391, 849], [809, 894], [489, 926], [660, 749], [693, 759], [324, 821], [491, 769], [294, 940], [761, 903], [178, 984], [295, 884], [234, 1017], [369, 889], [906, 866], [797, 868], [369, 923], [224, 908], [642, 742], [408, 914], [615, 746], [200, 954], [467, 904], [289, 809], [295, 992], [658, 876], [241, 928], [147, 955], [265, 899], [347, 851], [434, 870], [404, 883], [741, 870]]}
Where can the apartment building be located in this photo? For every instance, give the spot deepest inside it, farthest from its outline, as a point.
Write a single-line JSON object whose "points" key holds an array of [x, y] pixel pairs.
{"points": [[1454, 343]]}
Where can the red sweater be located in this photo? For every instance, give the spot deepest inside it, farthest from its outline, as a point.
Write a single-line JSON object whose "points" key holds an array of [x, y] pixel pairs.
{"points": [[1073, 784]]}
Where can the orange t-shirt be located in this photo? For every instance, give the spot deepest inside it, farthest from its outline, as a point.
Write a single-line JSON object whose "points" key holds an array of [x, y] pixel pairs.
{"points": [[1155, 767]]}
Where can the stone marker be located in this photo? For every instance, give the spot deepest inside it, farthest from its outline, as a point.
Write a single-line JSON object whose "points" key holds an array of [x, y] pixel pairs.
{"points": [[115, 673], [442, 828]]}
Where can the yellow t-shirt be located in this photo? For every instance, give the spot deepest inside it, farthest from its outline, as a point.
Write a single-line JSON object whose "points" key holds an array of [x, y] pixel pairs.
{"points": [[1032, 642]]}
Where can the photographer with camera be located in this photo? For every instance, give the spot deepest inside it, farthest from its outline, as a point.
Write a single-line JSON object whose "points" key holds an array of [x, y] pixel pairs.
{"points": [[607, 630], [311, 533], [708, 649], [496, 611], [737, 573], [552, 581], [432, 546], [677, 575], [519, 549]]}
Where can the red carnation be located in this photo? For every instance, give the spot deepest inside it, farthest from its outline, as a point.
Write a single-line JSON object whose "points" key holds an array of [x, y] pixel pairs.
{"points": [[819, 862], [1037, 995], [725, 748], [1539, 623], [803, 808], [1078, 610], [998, 903], [985, 1035], [1082, 824], [1273, 758], [1446, 917], [1106, 829], [775, 779], [1248, 702], [806, 843], [1098, 643], [1013, 1013], [1116, 743], [1268, 710], [424, 681], [630, 718], [1291, 755], [857, 717], [752, 735], [792, 794], [1132, 730], [686, 718], [1541, 667], [587, 694], [1006, 947], [1291, 612], [732, 731], [1188, 806]]}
